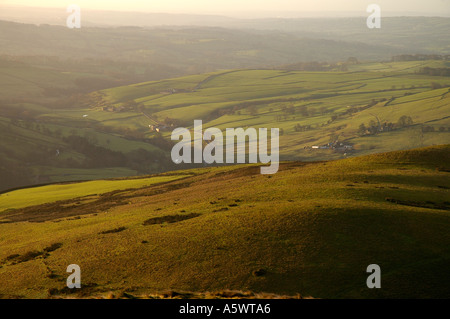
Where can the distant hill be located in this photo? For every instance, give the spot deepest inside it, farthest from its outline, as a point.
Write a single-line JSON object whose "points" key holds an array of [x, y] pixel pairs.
{"points": [[202, 48], [409, 34]]}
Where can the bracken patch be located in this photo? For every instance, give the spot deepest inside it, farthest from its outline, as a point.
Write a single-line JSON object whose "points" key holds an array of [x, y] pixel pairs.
{"points": [[112, 231], [169, 219]]}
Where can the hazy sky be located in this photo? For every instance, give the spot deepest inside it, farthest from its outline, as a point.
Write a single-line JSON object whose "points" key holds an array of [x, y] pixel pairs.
{"points": [[222, 6]]}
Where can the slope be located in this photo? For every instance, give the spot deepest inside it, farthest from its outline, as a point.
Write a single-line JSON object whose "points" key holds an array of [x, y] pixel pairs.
{"points": [[312, 228]]}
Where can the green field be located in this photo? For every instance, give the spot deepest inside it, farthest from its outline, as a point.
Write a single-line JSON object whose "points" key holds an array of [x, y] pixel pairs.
{"points": [[56, 192], [311, 229], [376, 91], [329, 106]]}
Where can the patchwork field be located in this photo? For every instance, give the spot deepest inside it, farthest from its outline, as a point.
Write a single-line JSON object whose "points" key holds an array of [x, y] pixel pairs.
{"points": [[325, 105], [108, 133]]}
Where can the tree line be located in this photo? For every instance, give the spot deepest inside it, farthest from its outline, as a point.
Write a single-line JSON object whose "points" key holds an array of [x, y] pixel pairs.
{"points": [[376, 127]]}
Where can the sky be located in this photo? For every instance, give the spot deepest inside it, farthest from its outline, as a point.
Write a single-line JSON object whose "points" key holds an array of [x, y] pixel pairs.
{"points": [[436, 7]]}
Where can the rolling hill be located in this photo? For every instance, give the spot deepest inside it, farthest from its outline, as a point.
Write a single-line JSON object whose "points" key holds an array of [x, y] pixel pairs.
{"points": [[86, 175], [76, 135], [310, 107], [311, 229]]}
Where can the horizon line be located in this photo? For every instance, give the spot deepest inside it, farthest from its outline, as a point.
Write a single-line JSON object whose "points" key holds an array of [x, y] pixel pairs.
{"points": [[261, 13]]}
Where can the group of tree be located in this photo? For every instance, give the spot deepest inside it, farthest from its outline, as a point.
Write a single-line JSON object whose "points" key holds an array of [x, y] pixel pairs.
{"points": [[404, 121], [436, 86], [231, 110], [99, 157], [428, 128], [302, 128], [376, 127], [320, 66], [13, 174], [419, 57], [435, 71], [172, 122]]}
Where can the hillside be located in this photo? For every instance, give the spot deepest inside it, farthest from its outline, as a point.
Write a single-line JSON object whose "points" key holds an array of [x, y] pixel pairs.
{"points": [[312, 229], [55, 129], [312, 108], [430, 33], [200, 49]]}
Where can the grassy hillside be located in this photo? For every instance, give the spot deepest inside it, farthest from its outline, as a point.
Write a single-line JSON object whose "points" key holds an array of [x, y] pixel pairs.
{"points": [[56, 192], [37, 144], [54, 131], [312, 229]]}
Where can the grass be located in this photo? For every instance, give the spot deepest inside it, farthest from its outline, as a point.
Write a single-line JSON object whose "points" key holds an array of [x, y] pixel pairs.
{"points": [[169, 219], [56, 175], [57, 192], [212, 97], [311, 229], [271, 90]]}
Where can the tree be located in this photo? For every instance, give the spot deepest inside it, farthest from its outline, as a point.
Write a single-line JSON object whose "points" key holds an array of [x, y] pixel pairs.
{"points": [[435, 85], [362, 129], [409, 121], [290, 109], [426, 129], [404, 121]]}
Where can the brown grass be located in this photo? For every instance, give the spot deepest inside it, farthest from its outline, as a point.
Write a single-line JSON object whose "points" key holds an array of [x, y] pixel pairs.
{"points": [[169, 219], [112, 231]]}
